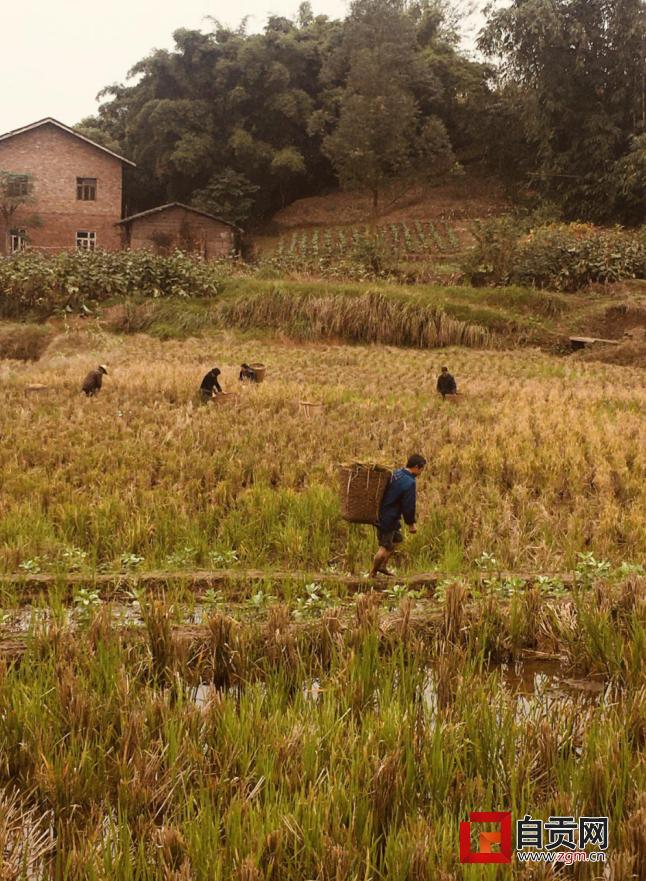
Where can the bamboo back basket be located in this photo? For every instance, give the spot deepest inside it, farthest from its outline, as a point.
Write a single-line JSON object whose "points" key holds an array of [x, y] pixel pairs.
{"points": [[362, 487]]}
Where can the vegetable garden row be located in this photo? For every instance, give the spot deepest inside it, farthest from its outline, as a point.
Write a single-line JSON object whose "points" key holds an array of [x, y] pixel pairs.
{"points": [[418, 237]]}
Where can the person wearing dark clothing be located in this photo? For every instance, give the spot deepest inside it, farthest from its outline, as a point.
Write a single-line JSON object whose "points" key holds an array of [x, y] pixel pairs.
{"points": [[210, 385], [94, 380], [247, 374], [446, 383], [399, 501]]}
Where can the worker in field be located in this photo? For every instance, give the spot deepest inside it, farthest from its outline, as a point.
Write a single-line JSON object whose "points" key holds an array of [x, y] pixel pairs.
{"points": [[247, 374], [446, 384], [94, 380], [210, 385], [399, 501]]}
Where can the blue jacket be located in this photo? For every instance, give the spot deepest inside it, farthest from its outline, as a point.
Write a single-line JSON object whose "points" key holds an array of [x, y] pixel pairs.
{"points": [[398, 501]]}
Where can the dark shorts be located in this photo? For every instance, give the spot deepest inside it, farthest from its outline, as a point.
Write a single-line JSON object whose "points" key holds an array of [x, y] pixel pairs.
{"points": [[388, 540]]}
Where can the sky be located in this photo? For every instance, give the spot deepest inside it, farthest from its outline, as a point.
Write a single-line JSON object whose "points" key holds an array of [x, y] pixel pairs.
{"points": [[58, 54]]}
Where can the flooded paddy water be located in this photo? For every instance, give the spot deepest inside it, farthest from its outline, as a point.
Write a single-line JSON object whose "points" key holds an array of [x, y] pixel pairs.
{"points": [[531, 682]]}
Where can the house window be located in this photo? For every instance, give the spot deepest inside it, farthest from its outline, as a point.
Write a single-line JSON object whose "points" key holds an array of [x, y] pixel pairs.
{"points": [[18, 186], [85, 240], [86, 189], [17, 240]]}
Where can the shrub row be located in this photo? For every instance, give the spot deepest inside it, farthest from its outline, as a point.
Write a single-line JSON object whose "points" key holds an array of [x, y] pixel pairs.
{"points": [[40, 284], [559, 256]]}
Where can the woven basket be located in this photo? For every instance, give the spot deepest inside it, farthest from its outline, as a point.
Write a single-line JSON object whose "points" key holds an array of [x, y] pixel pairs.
{"points": [[362, 488], [260, 371], [309, 408]]}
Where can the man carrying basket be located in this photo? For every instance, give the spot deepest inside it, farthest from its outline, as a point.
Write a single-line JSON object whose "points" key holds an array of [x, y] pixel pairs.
{"points": [[398, 501]]}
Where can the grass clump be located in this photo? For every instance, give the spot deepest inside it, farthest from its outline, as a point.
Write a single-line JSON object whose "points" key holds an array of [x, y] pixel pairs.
{"points": [[24, 342], [370, 317]]}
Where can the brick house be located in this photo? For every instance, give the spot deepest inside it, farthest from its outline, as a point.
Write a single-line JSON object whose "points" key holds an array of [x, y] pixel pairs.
{"points": [[77, 196], [171, 226]]}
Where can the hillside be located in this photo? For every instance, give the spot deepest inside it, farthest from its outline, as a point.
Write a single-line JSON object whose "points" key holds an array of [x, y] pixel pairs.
{"points": [[453, 203], [467, 196]]}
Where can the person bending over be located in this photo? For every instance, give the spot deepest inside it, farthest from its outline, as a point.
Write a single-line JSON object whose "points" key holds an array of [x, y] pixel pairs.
{"points": [[210, 385], [446, 384], [399, 501], [247, 374], [94, 380]]}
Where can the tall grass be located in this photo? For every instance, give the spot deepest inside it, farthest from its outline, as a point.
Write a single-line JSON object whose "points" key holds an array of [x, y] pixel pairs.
{"points": [[365, 316], [507, 314], [368, 318]]}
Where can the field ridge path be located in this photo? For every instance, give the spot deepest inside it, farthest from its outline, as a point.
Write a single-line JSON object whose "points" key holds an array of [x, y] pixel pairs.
{"points": [[205, 579]]}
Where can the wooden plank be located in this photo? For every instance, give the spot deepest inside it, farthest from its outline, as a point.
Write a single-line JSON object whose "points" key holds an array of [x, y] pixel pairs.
{"points": [[579, 342]]}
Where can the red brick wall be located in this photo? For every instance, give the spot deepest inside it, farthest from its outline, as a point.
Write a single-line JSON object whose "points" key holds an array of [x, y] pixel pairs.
{"points": [[55, 159], [209, 238]]}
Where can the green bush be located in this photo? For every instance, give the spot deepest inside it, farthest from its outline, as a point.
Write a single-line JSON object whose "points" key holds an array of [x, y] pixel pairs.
{"points": [[558, 256], [571, 257], [34, 283], [492, 260]]}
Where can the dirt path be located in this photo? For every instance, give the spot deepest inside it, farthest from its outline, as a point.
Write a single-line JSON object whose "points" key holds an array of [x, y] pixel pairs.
{"points": [[117, 584]]}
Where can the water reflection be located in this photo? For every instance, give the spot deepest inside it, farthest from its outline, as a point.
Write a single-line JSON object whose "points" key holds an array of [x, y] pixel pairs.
{"points": [[533, 683]]}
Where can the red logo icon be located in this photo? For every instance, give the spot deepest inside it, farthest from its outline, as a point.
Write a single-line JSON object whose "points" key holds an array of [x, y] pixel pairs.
{"points": [[485, 852]]}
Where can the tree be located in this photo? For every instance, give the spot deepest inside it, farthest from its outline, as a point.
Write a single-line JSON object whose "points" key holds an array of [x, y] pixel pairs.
{"points": [[224, 103], [229, 109], [631, 182], [89, 129], [577, 67], [228, 195], [380, 135], [16, 191]]}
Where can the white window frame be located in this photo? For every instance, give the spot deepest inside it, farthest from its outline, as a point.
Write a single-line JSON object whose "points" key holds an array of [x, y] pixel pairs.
{"points": [[85, 240], [17, 240]]}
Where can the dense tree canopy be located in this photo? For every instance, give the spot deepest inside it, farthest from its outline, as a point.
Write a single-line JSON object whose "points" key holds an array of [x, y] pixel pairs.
{"points": [[240, 124], [573, 74], [378, 133]]}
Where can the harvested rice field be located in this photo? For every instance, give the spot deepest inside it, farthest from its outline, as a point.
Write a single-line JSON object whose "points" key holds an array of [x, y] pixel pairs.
{"points": [[540, 460], [197, 681]]}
